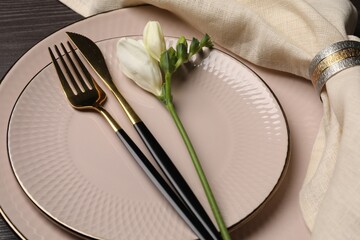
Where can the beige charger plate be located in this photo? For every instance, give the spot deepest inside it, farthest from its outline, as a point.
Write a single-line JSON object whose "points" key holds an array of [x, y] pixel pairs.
{"points": [[108, 206]]}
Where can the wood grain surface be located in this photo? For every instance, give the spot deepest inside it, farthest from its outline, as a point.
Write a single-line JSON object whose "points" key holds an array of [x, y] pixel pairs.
{"points": [[23, 23]]}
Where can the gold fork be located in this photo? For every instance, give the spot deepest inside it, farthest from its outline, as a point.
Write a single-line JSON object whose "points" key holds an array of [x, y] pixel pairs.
{"points": [[88, 95]]}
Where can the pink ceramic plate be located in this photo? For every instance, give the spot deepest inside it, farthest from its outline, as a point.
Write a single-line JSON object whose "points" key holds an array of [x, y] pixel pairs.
{"points": [[74, 169], [90, 184]]}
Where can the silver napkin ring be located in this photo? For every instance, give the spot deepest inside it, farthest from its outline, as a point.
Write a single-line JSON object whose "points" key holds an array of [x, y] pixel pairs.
{"points": [[331, 60]]}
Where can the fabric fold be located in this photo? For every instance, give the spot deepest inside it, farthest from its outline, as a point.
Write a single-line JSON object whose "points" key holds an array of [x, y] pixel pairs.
{"points": [[282, 35]]}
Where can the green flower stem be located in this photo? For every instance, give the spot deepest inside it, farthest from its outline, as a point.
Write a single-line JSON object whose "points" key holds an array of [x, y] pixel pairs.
{"points": [[168, 97], [208, 192]]}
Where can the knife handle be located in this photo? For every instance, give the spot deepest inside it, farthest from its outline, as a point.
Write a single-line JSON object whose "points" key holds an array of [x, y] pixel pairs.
{"points": [[163, 186], [176, 179]]}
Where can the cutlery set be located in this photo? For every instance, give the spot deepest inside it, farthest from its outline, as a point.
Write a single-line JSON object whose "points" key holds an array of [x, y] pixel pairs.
{"points": [[83, 93]]}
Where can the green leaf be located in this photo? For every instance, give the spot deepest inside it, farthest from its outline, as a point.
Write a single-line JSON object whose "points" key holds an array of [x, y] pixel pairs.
{"points": [[172, 52], [168, 60], [181, 52], [182, 40], [206, 41], [194, 46], [173, 56]]}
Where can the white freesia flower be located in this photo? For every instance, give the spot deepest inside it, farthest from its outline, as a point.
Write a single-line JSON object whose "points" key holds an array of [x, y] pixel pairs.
{"points": [[138, 65], [154, 39]]}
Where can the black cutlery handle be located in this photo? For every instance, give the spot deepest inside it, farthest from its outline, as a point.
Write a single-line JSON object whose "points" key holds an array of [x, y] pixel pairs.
{"points": [[176, 179], [163, 187]]}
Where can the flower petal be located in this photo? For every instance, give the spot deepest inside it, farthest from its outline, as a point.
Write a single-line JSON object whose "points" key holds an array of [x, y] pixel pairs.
{"points": [[154, 39], [137, 64]]}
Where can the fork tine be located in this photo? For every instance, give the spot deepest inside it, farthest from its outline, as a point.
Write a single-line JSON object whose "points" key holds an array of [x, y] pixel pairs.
{"points": [[71, 77], [62, 78], [80, 78], [82, 66]]}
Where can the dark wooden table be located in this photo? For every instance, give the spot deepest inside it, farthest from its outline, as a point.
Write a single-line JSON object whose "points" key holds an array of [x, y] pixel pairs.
{"points": [[23, 23]]}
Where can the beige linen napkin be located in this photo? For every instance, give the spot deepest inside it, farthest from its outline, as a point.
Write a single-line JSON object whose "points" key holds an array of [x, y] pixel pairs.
{"points": [[286, 35]]}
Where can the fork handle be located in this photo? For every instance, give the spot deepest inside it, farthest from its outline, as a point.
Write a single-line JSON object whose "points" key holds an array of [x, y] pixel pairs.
{"points": [[175, 178], [163, 187]]}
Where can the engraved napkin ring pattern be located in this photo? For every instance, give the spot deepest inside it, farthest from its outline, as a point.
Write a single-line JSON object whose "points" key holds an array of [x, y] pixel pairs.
{"points": [[331, 60]]}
